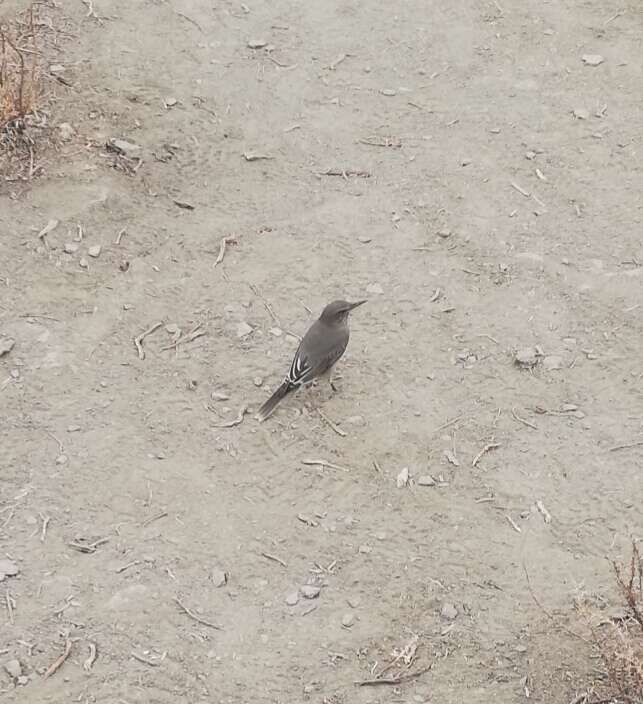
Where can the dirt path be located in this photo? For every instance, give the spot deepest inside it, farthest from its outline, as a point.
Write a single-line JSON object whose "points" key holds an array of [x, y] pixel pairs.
{"points": [[492, 220]]}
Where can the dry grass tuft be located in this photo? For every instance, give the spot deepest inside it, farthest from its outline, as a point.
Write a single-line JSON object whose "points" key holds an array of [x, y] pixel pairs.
{"points": [[618, 639], [20, 78]]}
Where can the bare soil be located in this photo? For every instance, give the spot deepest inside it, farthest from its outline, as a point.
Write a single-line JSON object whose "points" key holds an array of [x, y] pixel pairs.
{"points": [[488, 199]]}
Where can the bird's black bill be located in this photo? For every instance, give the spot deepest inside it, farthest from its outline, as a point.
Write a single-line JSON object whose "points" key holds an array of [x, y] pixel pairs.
{"points": [[354, 305]]}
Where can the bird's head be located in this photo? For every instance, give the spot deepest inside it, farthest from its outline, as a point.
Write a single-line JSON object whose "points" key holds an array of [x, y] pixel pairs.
{"points": [[337, 311]]}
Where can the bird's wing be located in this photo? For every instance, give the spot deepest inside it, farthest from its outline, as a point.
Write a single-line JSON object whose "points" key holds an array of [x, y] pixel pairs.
{"points": [[316, 354]]}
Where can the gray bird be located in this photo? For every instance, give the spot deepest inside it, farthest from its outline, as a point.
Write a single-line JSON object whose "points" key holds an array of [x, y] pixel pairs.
{"points": [[321, 347]]}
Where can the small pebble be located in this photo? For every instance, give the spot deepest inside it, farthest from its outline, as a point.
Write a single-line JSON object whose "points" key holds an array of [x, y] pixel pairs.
{"points": [[444, 233], [309, 591], [552, 362], [389, 92], [354, 602], [170, 102], [70, 247], [365, 549], [243, 329], [448, 612], [66, 131], [292, 599], [129, 149], [593, 59], [219, 396], [218, 577], [581, 113], [94, 251], [567, 407], [374, 289], [6, 345], [13, 668], [62, 459], [277, 332], [83, 263], [426, 480], [8, 568], [23, 680], [257, 43], [257, 381], [73, 428], [526, 357], [348, 620], [402, 478], [530, 155], [364, 239]]}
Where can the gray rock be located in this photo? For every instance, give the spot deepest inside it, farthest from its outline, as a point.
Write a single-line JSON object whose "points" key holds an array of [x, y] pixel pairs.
{"points": [[94, 251], [6, 345], [129, 149], [8, 568], [448, 611], [309, 591], [66, 131], [354, 602], [292, 599], [257, 43], [348, 620], [552, 362], [70, 247], [593, 59], [374, 289], [526, 357], [243, 329], [426, 480], [13, 668], [219, 577], [83, 263]]}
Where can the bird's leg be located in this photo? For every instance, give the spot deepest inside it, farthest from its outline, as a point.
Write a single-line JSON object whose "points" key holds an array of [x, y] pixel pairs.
{"points": [[333, 376]]}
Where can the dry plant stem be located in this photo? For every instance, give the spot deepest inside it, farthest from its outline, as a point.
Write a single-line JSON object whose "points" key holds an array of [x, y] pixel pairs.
{"points": [[393, 680], [10, 603], [225, 241], [143, 659], [151, 519], [91, 659], [634, 602], [138, 341], [522, 420], [628, 445], [196, 618], [488, 447], [331, 424], [56, 665], [325, 465], [547, 613], [274, 558]]}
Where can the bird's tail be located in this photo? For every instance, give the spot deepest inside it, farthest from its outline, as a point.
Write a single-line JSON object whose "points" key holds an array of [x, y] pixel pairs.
{"points": [[270, 405]]}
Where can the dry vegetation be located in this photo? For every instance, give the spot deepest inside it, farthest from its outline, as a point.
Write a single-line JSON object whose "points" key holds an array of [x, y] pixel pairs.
{"points": [[618, 639], [21, 94]]}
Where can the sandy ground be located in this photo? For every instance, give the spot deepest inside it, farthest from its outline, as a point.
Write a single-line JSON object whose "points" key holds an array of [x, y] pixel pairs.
{"points": [[477, 213]]}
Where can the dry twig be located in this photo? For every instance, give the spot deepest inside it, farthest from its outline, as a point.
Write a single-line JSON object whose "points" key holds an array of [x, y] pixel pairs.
{"points": [[393, 680], [236, 421], [325, 465], [196, 618], [225, 241], [522, 420], [333, 426], [274, 558], [91, 658], [487, 448], [138, 341], [56, 665]]}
